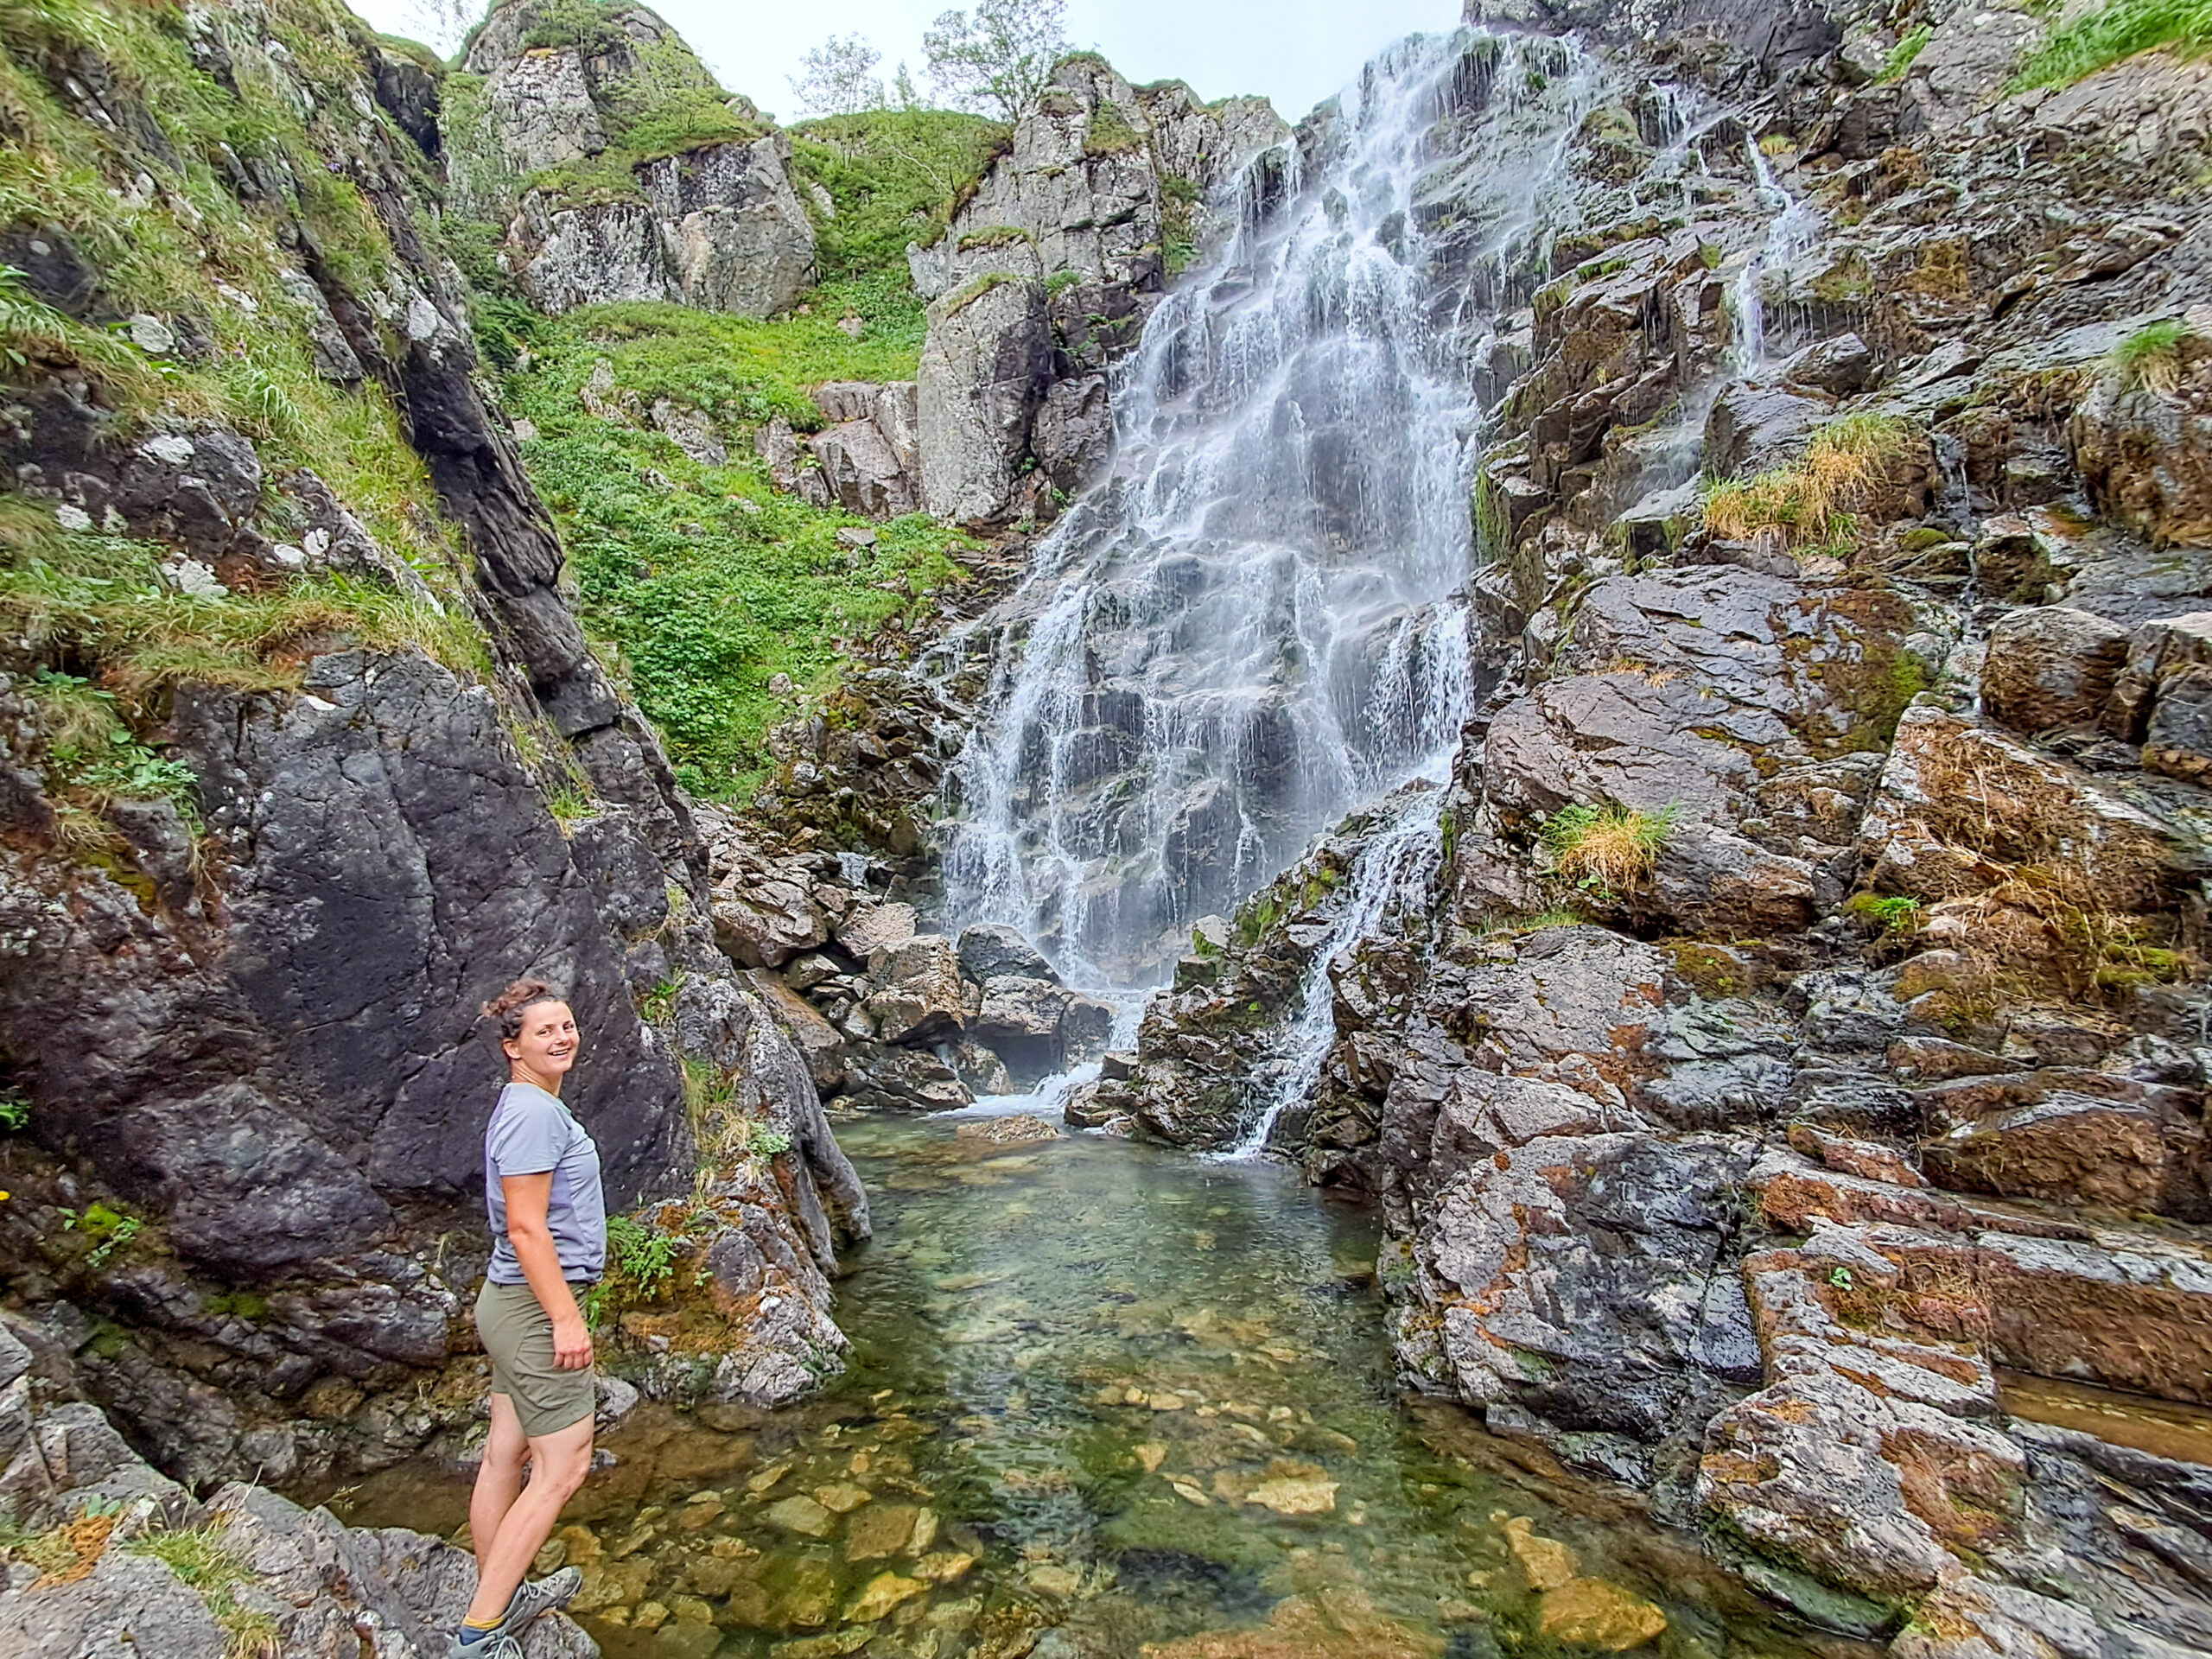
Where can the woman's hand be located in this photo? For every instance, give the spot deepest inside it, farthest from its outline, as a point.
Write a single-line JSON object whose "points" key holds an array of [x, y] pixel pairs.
{"points": [[571, 1345]]}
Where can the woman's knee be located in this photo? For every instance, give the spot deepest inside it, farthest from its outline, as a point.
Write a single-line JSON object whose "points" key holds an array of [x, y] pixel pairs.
{"points": [[563, 1459]]}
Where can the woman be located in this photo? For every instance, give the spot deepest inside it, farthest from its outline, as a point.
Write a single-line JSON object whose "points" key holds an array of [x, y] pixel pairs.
{"points": [[549, 1245]]}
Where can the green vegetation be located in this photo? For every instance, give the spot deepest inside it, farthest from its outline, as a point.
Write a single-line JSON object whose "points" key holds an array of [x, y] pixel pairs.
{"points": [[109, 1231], [101, 603], [1811, 502], [207, 1565], [195, 250], [2150, 359], [893, 176], [1110, 135], [1606, 849], [1902, 54], [657, 99], [14, 1111], [2118, 30], [704, 579], [1896, 914]]}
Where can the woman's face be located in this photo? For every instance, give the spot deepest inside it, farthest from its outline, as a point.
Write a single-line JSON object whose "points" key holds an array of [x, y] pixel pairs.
{"points": [[547, 1046]]}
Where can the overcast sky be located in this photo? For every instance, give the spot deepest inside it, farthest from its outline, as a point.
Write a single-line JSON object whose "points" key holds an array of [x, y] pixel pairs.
{"points": [[1297, 52]]}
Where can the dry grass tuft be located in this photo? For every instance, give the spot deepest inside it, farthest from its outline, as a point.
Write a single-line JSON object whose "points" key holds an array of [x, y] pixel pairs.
{"points": [[1812, 502], [1606, 849]]}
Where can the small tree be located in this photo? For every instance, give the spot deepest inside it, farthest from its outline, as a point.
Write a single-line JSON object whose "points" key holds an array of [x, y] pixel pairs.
{"points": [[995, 60], [840, 78]]}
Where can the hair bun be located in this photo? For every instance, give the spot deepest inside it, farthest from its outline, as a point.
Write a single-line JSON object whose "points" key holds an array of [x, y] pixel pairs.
{"points": [[509, 1006]]}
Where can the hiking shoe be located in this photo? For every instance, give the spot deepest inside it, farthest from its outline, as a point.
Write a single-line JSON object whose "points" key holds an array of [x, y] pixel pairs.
{"points": [[541, 1596], [499, 1643]]}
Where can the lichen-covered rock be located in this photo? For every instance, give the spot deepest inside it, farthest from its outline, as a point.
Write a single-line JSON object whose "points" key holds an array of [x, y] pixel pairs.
{"points": [[718, 227], [986, 367]]}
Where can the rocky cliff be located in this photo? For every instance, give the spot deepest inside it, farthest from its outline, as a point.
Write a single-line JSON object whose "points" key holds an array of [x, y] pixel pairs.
{"points": [[1785, 1075], [304, 755], [1046, 271], [609, 165]]}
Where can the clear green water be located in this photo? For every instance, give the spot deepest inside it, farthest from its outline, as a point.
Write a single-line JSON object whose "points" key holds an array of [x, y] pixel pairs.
{"points": [[1151, 1397]]}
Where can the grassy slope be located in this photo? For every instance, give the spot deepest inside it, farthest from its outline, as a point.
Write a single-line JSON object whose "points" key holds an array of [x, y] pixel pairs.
{"points": [[87, 620], [701, 582], [2118, 30], [704, 581]]}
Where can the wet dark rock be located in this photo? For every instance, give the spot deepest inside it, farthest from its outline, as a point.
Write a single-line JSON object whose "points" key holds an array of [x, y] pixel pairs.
{"points": [[2049, 667], [1839, 367]]}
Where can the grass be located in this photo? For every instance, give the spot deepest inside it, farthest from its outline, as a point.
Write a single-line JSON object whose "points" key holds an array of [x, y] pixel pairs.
{"points": [[1902, 54], [2117, 30], [2150, 359], [196, 249], [1606, 849], [893, 176], [212, 1569], [705, 581], [99, 602], [1811, 502]]}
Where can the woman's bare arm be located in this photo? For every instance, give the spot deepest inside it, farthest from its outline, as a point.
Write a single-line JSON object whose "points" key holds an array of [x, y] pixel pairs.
{"points": [[527, 1199]]}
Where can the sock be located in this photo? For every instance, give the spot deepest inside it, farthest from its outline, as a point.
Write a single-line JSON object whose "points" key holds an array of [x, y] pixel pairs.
{"points": [[472, 1630]]}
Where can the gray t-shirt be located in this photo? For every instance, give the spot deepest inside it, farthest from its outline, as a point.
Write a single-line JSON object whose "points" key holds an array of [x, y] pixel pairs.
{"points": [[530, 1133]]}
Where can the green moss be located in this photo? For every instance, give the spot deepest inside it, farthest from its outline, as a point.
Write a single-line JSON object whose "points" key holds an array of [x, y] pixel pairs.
{"points": [[1110, 135], [995, 236], [961, 299], [2118, 30], [235, 1304]]}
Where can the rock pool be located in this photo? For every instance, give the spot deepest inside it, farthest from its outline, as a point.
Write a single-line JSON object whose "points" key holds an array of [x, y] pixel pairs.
{"points": [[1105, 1397]]}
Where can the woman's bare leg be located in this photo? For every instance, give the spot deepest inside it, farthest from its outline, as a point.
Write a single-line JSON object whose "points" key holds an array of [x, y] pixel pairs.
{"points": [[498, 1478], [558, 1463]]}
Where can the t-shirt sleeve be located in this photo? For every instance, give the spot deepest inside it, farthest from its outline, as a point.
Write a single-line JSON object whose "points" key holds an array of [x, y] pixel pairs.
{"points": [[529, 1140]]}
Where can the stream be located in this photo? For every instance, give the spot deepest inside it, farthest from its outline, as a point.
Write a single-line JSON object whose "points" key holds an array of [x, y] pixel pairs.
{"points": [[1103, 1395]]}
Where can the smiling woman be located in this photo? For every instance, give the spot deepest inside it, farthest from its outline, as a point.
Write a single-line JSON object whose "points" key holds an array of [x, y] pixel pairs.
{"points": [[549, 1245]]}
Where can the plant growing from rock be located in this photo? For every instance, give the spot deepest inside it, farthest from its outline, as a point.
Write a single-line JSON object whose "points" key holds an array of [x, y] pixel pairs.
{"points": [[1811, 502], [215, 1571], [1606, 849], [2150, 359], [1902, 55]]}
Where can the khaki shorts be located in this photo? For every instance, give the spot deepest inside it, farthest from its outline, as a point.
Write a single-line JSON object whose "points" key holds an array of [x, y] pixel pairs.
{"points": [[517, 1333]]}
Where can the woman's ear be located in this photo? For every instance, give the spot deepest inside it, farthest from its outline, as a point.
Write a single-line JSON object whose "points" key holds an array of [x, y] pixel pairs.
{"points": [[511, 1048]]}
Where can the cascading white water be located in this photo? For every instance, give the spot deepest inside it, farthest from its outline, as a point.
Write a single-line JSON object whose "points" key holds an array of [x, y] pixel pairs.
{"points": [[1792, 230], [1395, 867], [1253, 625]]}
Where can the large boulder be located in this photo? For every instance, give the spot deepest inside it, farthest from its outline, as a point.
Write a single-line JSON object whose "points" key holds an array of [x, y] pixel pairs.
{"points": [[2052, 665], [985, 366], [719, 227], [917, 999]]}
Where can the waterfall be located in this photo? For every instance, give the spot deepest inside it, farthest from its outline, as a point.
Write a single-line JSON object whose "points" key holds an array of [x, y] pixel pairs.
{"points": [[1791, 231], [1254, 624]]}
